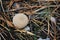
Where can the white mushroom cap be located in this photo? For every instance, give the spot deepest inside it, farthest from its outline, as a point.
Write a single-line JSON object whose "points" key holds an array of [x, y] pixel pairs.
{"points": [[27, 28], [53, 19], [20, 20]]}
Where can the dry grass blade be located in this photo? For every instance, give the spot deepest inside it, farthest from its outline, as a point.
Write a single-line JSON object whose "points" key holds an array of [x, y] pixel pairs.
{"points": [[4, 27], [48, 27], [10, 4], [24, 31], [2, 36], [9, 23]]}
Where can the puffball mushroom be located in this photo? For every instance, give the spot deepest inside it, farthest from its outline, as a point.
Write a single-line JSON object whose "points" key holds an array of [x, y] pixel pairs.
{"points": [[53, 19], [27, 28], [20, 20]]}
